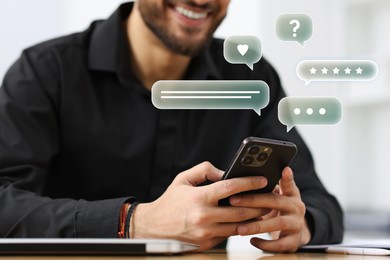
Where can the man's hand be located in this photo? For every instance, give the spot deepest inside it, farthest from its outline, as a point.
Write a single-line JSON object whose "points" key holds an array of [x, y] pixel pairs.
{"points": [[191, 213], [286, 220]]}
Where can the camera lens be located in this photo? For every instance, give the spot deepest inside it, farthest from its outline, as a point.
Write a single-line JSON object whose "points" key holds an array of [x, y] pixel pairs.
{"points": [[262, 157], [253, 150], [247, 160]]}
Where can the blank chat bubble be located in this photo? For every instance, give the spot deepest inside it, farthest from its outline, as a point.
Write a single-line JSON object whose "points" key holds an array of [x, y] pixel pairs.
{"points": [[294, 27], [242, 50], [337, 70], [215, 94], [294, 111]]}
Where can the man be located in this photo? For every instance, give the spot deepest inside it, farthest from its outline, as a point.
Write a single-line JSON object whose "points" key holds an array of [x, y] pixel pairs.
{"points": [[79, 137]]}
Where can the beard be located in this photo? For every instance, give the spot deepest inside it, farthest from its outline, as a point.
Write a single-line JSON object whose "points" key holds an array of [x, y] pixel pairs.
{"points": [[154, 18]]}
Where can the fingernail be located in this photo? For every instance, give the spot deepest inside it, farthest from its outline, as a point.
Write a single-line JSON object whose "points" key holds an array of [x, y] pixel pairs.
{"points": [[235, 200], [290, 176], [262, 180], [242, 230]]}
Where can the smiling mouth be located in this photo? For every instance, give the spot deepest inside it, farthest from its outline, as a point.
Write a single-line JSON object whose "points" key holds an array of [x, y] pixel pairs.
{"points": [[191, 14]]}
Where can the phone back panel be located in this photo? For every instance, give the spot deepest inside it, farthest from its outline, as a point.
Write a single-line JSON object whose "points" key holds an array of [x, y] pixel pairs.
{"points": [[261, 157]]}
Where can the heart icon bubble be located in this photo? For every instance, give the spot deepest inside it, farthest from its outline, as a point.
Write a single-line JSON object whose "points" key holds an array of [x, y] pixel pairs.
{"points": [[242, 48]]}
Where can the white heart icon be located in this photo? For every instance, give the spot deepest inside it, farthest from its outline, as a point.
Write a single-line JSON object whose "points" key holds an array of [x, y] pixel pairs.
{"points": [[242, 48]]}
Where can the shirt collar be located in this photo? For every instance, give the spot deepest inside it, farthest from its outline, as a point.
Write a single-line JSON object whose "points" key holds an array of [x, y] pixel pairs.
{"points": [[109, 49], [108, 44]]}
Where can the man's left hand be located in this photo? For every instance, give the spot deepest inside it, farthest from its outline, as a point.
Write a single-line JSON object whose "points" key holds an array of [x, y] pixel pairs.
{"points": [[286, 220]]}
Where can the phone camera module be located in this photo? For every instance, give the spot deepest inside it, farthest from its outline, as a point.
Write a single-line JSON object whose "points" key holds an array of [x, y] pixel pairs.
{"points": [[247, 160], [253, 150], [256, 155], [262, 157]]}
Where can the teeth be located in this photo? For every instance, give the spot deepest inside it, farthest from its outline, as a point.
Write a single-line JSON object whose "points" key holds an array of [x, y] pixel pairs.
{"points": [[190, 14]]}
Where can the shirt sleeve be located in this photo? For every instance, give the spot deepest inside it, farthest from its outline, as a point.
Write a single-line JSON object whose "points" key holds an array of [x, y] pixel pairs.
{"points": [[323, 212], [29, 142]]}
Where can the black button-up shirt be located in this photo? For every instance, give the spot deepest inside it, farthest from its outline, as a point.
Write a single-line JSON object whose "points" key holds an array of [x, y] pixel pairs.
{"points": [[79, 135]]}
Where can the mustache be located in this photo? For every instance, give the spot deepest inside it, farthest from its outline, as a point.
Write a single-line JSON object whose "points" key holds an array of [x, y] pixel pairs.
{"points": [[209, 6]]}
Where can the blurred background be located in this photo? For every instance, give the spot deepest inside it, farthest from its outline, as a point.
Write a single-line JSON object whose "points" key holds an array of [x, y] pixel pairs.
{"points": [[351, 157]]}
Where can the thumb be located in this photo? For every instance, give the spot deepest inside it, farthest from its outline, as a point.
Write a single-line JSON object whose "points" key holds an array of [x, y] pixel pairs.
{"points": [[200, 173], [287, 183]]}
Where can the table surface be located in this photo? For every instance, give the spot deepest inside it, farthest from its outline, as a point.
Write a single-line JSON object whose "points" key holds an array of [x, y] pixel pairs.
{"points": [[212, 255], [238, 248]]}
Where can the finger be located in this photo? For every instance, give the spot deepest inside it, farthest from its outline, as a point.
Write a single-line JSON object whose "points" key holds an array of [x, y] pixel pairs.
{"points": [[200, 173], [225, 188], [215, 230], [236, 214], [287, 183], [266, 200], [270, 214], [225, 229], [286, 244], [282, 223]]}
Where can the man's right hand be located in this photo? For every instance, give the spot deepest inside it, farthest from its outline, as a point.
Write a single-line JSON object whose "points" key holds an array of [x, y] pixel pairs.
{"points": [[190, 213]]}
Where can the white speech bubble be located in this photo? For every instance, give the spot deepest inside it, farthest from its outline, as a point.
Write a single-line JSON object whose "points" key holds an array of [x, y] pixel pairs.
{"points": [[294, 111], [337, 70], [213, 94]]}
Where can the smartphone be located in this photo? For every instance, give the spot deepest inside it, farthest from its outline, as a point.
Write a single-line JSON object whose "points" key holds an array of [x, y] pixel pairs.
{"points": [[260, 157]]}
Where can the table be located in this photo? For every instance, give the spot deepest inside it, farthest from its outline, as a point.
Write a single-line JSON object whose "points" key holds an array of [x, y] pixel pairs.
{"points": [[238, 248], [212, 255]]}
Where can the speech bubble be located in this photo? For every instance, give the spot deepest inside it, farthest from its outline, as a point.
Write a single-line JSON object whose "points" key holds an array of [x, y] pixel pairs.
{"points": [[337, 70], [215, 94], [294, 27], [242, 50], [294, 111]]}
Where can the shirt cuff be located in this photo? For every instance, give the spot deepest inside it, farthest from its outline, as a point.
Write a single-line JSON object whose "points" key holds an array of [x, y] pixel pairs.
{"points": [[318, 225], [98, 219]]}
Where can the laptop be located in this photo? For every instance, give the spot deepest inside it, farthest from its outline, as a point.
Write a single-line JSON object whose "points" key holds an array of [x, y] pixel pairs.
{"points": [[81, 246]]}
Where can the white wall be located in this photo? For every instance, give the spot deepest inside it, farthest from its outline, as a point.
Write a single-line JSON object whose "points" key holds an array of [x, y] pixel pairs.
{"points": [[78, 14], [24, 22], [259, 19], [351, 157]]}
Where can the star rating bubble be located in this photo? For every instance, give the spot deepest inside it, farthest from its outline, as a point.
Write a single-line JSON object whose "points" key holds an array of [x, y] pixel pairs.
{"points": [[337, 70]]}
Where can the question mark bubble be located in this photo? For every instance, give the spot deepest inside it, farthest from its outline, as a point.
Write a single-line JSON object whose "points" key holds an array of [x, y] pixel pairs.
{"points": [[337, 70], [242, 50], [294, 27], [215, 94], [297, 24], [294, 111]]}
